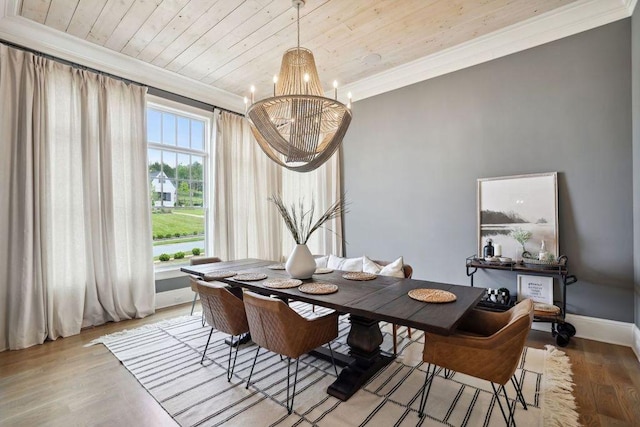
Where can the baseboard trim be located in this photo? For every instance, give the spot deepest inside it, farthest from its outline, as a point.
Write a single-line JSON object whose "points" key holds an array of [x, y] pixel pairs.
{"points": [[174, 297], [636, 341], [604, 330]]}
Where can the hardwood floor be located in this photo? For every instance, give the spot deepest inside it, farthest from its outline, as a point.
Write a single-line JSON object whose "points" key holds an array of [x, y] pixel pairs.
{"points": [[62, 383]]}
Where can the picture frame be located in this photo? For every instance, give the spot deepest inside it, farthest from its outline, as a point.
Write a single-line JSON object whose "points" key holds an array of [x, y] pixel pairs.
{"points": [[538, 288], [519, 206]]}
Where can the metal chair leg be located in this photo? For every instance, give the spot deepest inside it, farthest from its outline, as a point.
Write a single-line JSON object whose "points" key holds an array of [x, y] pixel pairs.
{"points": [[193, 304], [512, 411], [230, 367], [206, 346], [426, 388], [295, 381], [252, 366], [509, 420], [516, 385], [332, 359]]}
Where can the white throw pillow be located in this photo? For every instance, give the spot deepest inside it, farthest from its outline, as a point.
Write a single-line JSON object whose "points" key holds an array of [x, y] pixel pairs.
{"points": [[321, 262], [345, 264], [393, 269]]}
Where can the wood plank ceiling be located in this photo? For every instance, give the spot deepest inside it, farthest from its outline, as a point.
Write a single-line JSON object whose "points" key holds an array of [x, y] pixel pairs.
{"points": [[232, 44]]}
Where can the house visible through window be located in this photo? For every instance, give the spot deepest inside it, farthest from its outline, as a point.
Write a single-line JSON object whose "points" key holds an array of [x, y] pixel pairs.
{"points": [[177, 142]]}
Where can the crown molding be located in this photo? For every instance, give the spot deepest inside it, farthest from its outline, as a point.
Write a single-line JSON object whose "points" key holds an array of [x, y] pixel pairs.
{"points": [[565, 21], [25, 32]]}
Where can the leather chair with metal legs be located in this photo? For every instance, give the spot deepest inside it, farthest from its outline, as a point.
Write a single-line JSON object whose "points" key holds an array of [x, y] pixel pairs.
{"points": [[280, 329], [491, 351], [224, 312], [193, 280]]}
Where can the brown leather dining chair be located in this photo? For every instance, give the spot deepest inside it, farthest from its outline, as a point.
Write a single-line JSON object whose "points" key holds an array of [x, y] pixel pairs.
{"points": [[224, 312], [487, 345], [278, 328], [408, 272], [193, 280]]}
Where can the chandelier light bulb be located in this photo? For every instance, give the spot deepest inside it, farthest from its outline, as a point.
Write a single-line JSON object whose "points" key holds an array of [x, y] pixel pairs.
{"points": [[253, 91], [306, 83], [335, 89]]}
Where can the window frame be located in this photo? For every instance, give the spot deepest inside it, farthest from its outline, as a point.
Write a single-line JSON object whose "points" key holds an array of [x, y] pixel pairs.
{"points": [[184, 110]]}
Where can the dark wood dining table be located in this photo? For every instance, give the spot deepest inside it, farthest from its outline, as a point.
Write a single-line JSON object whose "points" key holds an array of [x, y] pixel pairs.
{"points": [[367, 302]]}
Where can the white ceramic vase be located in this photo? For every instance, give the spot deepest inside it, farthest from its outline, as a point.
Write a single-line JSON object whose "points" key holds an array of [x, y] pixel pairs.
{"points": [[301, 264]]}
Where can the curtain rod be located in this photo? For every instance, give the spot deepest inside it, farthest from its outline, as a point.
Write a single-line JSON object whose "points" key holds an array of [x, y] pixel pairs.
{"points": [[156, 91]]}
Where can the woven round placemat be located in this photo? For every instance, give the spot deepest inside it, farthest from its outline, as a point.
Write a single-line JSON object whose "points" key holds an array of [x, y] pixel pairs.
{"points": [[276, 267], [318, 288], [359, 275], [432, 295], [282, 283], [219, 275], [323, 270], [250, 277]]}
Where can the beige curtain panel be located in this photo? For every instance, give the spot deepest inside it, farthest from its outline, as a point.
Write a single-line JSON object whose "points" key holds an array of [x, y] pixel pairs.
{"points": [[246, 224], [75, 230]]}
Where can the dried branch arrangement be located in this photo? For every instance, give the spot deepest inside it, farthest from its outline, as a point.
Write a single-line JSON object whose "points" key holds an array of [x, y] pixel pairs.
{"points": [[299, 220]]}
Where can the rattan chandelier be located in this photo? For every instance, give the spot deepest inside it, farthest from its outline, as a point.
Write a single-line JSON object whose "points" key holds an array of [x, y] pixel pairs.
{"points": [[298, 127]]}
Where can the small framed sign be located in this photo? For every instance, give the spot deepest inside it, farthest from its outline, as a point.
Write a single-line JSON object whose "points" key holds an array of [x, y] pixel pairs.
{"points": [[538, 288]]}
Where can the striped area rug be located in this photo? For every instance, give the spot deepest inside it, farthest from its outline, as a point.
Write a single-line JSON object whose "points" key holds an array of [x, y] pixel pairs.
{"points": [[165, 359]]}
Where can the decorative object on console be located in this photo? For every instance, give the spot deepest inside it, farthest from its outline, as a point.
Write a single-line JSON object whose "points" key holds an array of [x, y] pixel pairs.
{"points": [[487, 251], [518, 209], [298, 127], [300, 222], [537, 288]]}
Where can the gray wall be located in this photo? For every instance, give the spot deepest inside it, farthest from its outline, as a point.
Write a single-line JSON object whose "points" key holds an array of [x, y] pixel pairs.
{"points": [[635, 57], [412, 157]]}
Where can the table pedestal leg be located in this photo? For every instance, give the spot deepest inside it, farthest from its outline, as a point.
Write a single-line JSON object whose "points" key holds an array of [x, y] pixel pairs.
{"points": [[364, 340]]}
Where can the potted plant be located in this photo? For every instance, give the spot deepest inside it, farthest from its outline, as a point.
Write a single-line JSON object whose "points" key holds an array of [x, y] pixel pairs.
{"points": [[301, 224], [521, 236]]}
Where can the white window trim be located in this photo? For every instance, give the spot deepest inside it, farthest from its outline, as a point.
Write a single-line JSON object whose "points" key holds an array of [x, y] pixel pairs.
{"points": [[184, 110]]}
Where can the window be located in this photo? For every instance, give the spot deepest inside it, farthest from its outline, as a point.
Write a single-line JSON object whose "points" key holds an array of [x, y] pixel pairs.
{"points": [[177, 140]]}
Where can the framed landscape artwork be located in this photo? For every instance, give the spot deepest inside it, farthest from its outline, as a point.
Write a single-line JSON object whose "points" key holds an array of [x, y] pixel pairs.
{"points": [[519, 213]]}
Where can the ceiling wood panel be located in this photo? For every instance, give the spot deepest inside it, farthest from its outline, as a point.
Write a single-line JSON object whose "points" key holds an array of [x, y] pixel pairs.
{"points": [[35, 10], [109, 18], [84, 16], [232, 44], [204, 35], [130, 23], [159, 18], [59, 15]]}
